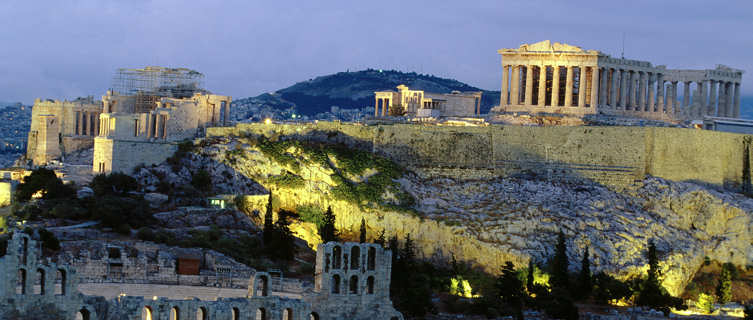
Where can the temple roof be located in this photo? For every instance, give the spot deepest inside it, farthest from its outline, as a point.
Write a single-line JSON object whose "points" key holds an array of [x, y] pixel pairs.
{"points": [[548, 46]]}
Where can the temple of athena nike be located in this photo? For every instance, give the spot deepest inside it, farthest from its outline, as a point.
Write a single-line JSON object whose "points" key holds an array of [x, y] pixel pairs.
{"points": [[549, 77]]}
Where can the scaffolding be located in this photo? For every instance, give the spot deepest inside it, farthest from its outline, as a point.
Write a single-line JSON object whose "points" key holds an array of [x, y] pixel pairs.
{"points": [[150, 84]]}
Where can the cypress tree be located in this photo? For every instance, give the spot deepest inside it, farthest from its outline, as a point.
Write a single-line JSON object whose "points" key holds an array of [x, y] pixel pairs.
{"points": [[284, 245], [362, 236], [268, 231], [328, 232], [529, 278], [724, 288], [584, 279], [560, 263], [380, 239]]}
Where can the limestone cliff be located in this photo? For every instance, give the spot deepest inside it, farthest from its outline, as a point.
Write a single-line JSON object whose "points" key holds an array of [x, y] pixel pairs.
{"points": [[490, 221]]}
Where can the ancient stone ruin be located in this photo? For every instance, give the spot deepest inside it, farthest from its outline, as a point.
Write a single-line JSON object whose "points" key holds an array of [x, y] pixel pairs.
{"points": [[352, 282], [549, 77], [417, 103]]}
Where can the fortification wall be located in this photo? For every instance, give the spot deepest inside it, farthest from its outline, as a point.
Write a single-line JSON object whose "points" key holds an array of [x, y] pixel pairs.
{"points": [[614, 156], [118, 155]]}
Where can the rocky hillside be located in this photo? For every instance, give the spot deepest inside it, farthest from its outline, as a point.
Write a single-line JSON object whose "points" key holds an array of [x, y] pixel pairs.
{"points": [[488, 222], [354, 90]]}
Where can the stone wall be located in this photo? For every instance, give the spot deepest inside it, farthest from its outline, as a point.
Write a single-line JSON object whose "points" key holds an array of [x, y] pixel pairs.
{"points": [[614, 156], [124, 156], [6, 192]]}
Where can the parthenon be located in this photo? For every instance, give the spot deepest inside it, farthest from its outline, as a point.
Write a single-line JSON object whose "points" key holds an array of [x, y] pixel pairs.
{"points": [[549, 77]]}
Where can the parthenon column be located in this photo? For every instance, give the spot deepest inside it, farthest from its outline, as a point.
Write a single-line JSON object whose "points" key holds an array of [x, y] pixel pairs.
{"points": [[623, 89], [528, 99], [504, 95], [686, 98], [603, 87], [613, 92], [569, 87], [659, 93], [651, 92], [712, 100], [80, 129], [515, 81], [675, 107], [728, 96], [582, 85], [736, 102], [721, 109], [556, 86], [642, 93], [633, 93], [594, 87], [703, 98], [96, 124], [542, 86]]}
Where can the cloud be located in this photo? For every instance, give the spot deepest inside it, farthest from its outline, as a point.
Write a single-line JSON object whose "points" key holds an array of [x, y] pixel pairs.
{"points": [[57, 49]]}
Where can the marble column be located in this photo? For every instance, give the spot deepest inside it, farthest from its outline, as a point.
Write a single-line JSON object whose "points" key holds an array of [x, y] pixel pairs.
{"points": [[651, 92], [603, 87], [712, 100], [659, 93], [504, 95], [96, 124], [613, 92], [729, 95], [686, 97], [633, 93], [675, 107], [376, 106], [80, 120], [528, 98], [721, 108], [703, 98], [515, 82], [736, 102], [542, 86], [624, 89], [582, 85], [569, 87], [556, 86], [642, 92], [594, 87]]}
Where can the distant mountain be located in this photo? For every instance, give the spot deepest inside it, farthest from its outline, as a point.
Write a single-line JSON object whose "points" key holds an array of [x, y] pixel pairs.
{"points": [[355, 90], [746, 107]]}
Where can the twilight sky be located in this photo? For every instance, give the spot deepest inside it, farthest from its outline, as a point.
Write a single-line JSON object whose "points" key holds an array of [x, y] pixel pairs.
{"points": [[65, 49]]}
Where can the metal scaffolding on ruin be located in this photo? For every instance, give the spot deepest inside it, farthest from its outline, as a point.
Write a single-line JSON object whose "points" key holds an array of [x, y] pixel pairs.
{"points": [[149, 84]]}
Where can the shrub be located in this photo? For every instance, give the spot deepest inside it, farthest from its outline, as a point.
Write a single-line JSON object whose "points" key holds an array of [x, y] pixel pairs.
{"points": [[288, 180], [202, 181], [45, 181], [705, 302], [115, 183], [146, 234], [49, 241], [310, 213]]}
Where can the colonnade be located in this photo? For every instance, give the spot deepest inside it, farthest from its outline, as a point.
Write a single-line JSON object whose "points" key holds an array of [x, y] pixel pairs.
{"points": [[87, 123], [381, 106], [545, 85]]}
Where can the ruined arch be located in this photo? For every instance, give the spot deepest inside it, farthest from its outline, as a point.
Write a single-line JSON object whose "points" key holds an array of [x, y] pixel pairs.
{"points": [[337, 256], [42, 281], [174, 313], [83, 314], [201, 313], [336, 283], [24, 249], [261, 314], [370, 285], [146, 313], [260, 284], [235, 314], [287, 314], [371, 263], [353, 284], [314, 316], [21, 281], [61, 277], [355, 257]]}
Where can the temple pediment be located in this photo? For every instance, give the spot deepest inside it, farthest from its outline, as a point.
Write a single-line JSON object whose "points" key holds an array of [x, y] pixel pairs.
{"points": [[548, 46]]}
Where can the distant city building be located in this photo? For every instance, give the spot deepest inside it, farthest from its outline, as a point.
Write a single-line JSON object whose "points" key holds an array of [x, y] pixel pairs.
{"points": [[549, 77], [417, 103]]}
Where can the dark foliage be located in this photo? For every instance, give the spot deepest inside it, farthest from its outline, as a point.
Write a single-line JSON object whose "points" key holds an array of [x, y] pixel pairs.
{"points": [[606, 288], [653, 294], [560, 264], [202, 181], [362, 231], [47, 182], [585, 283], [115, 183], [410, 288], [724, 287], [328, 232]]}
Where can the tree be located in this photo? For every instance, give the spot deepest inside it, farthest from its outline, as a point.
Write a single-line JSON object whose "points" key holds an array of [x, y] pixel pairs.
{"points": [[45, 181], [724, 287], [362, 235], [510, 289], [411, 290], [585, 285], [408, 254], [560, 263], [202, 181], [328, 232], [283, 241], [115, 183], [268, 231], [380, 239], [653, 294], [529, 277]]}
